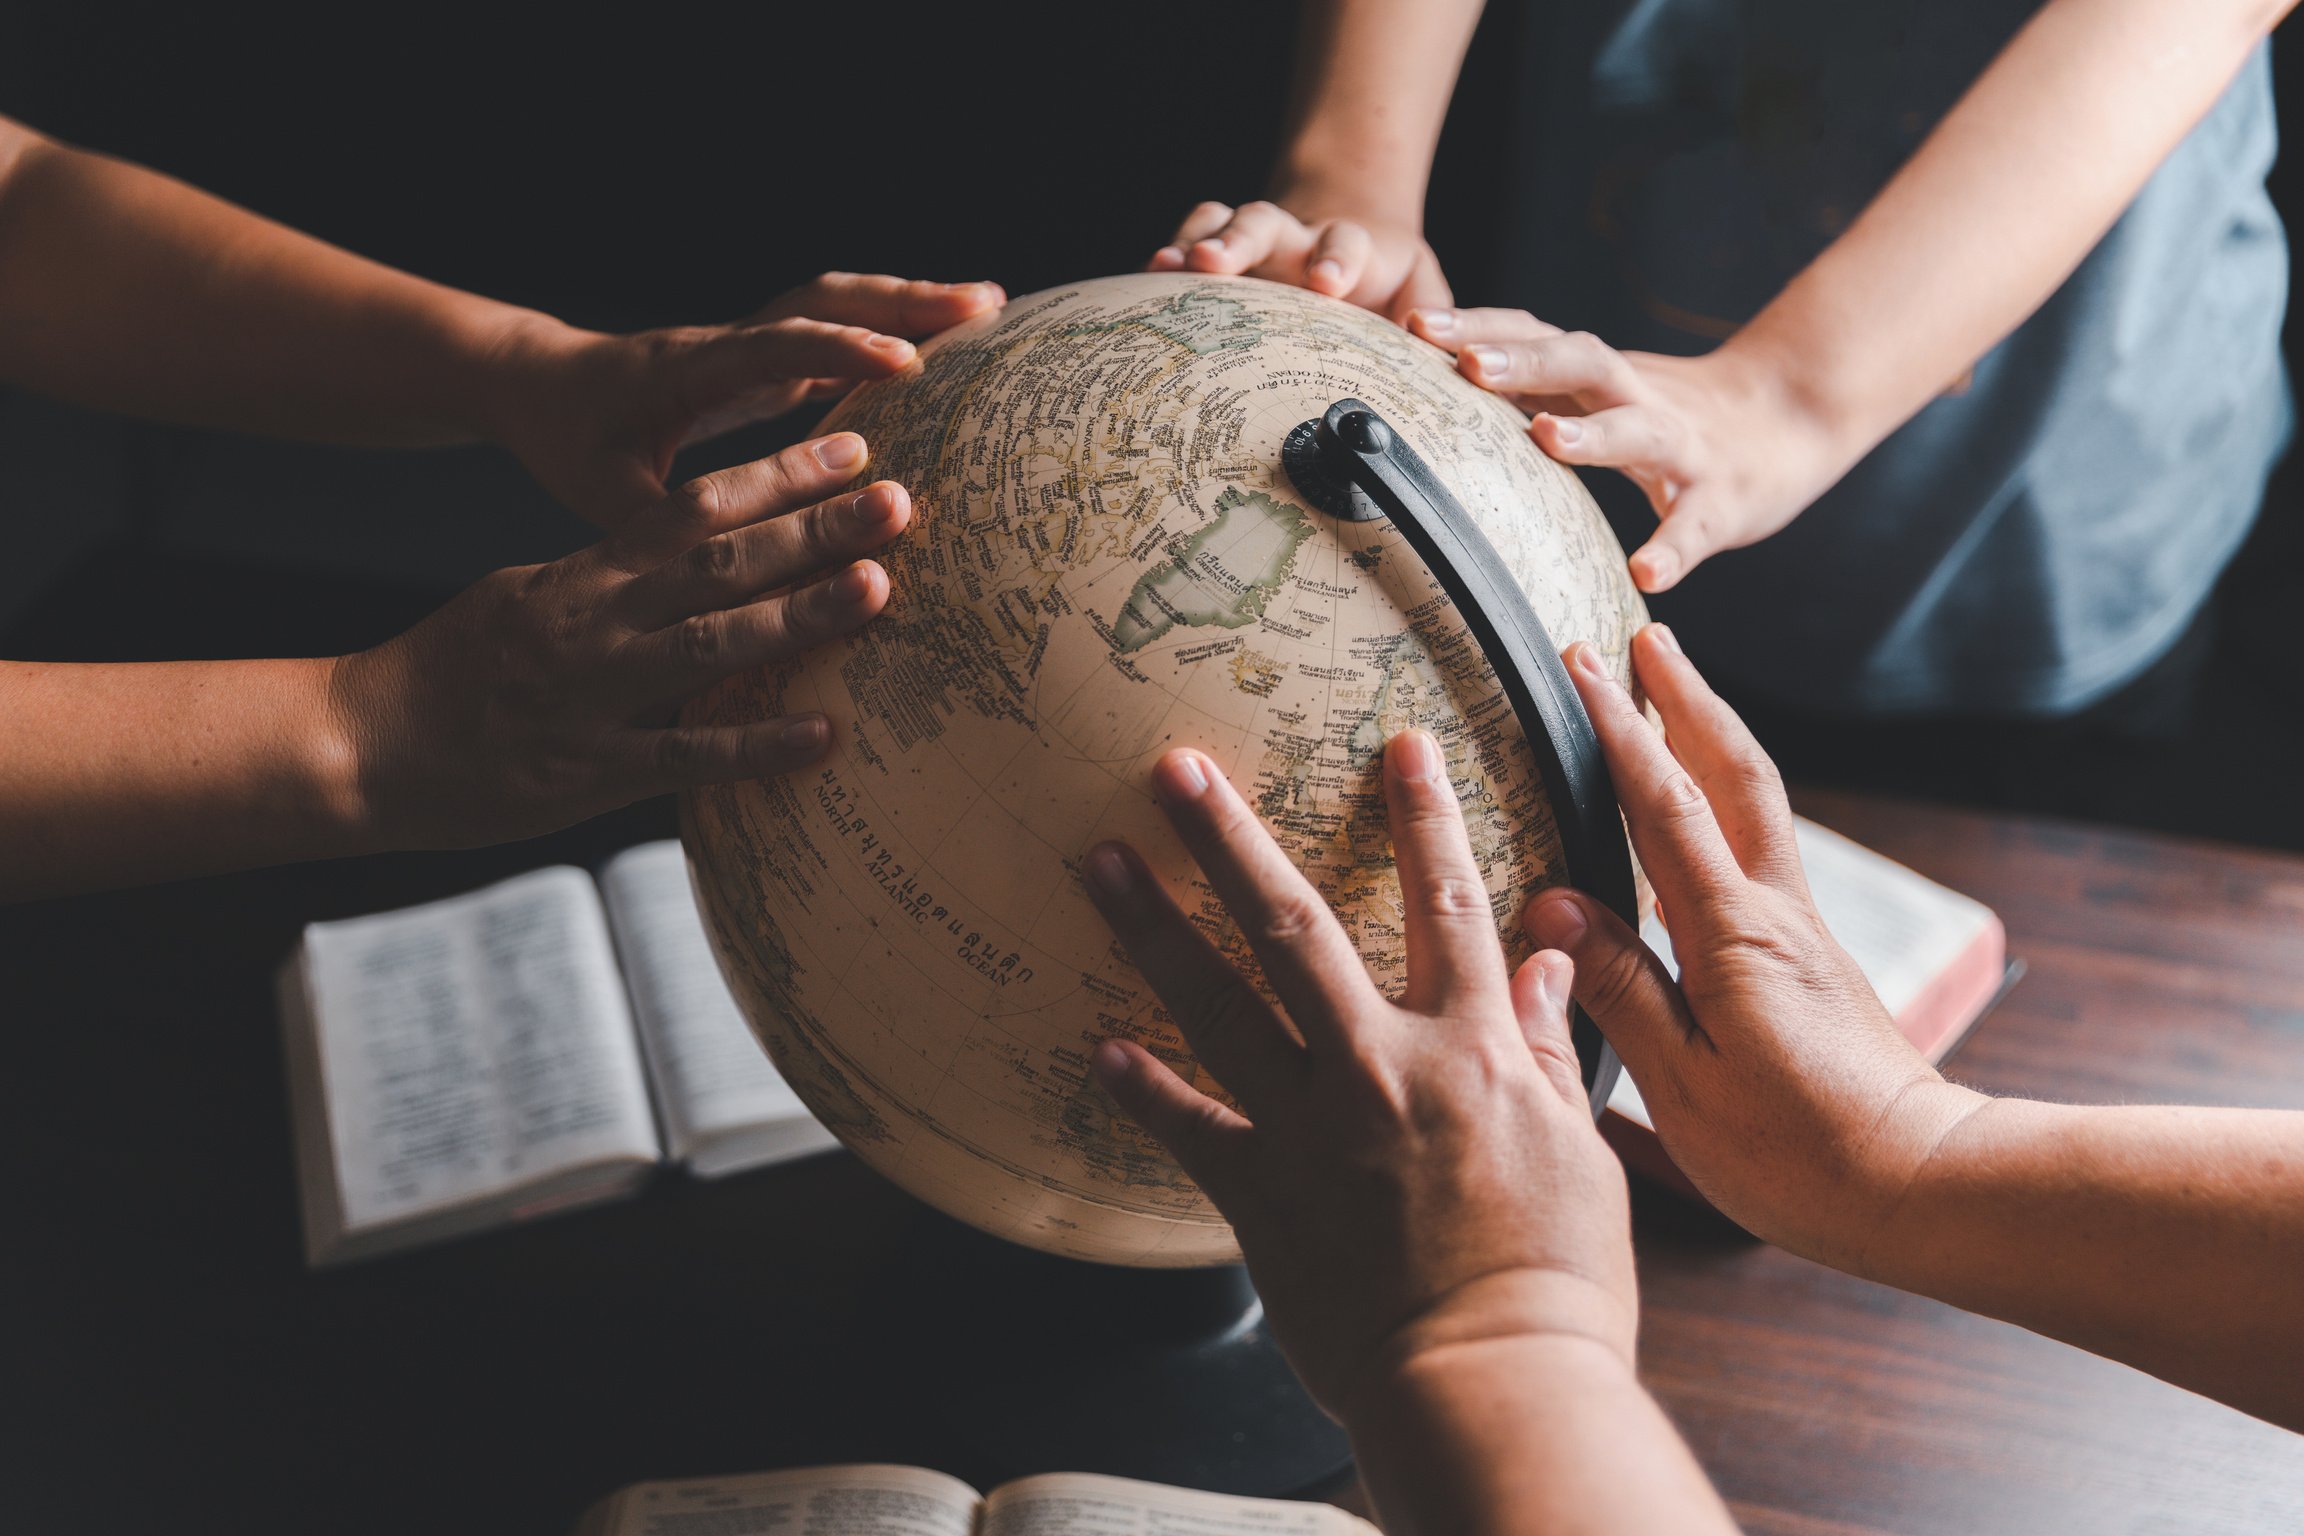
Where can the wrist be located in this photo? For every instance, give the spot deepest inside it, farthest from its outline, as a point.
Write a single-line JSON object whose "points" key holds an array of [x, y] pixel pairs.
{"points": [[328, 764], [1791, 384], [1443, 1402], [1918, 1150], [1495, 1316], [507, 358], [1366, 186], [352, 765]]}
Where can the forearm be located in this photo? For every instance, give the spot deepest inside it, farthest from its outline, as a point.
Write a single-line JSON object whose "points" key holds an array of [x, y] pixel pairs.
{"points": [[1372, 83], [118, 774], [126, 290], [2171, 1239], [1544, 1433], [1999, 205]]}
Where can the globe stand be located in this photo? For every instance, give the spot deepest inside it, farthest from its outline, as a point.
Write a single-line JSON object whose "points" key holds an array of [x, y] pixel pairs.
{"points": [[1044, 1364]]}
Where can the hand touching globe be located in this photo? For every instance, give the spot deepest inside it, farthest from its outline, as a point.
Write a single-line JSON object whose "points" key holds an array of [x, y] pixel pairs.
{"points": [[1107, 559]]}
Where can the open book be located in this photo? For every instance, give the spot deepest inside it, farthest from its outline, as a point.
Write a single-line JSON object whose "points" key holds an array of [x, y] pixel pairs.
{"points": [[912, 1501], [1937, 959], [498, 1055]]}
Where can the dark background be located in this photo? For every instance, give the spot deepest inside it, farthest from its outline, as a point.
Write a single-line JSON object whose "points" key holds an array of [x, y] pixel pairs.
{"points": [[165, 1358]]}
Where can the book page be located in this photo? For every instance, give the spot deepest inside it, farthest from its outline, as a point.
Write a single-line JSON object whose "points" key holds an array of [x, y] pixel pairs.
{"points": [[1900, 927], [1080, 1504], [862, 1500], [472, 1045], [723, 1104]]}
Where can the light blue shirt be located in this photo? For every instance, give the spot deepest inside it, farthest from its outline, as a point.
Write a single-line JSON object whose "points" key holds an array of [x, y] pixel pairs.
{"points": [[2023, 547]]}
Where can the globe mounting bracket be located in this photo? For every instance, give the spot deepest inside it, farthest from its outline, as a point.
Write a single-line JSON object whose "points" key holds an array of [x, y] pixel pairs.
{"points": [[1351, 464]]}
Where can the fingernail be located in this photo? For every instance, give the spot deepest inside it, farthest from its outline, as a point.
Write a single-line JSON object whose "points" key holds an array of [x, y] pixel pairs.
{"points": [[870, 507], [1182, 776], [1666, 639], [1659, 568], [1436, 322], [1585, 658], [1108, 871], [1328, 271], [841, 451], [854, 584], [1415, 756], [1558, 978], [1566, 431], [1110, 1063], [1489, 359], [1215, 242], [1169, 253], [894, 346], [807, 734], [1556, 922]]}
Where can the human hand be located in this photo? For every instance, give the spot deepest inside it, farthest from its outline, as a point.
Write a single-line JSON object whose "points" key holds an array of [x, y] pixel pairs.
{"points": [[1776, 1079], [1726, 454], [597, 418], [546, 694], [1404, 1175], [1383, 265]]}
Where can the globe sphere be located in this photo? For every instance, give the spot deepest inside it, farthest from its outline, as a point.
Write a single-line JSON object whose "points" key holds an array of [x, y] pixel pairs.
{"points": [[1107, 559]]}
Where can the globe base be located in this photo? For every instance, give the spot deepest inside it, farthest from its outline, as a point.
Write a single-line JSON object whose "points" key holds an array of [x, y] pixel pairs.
{"points": [[1167, 1375]]}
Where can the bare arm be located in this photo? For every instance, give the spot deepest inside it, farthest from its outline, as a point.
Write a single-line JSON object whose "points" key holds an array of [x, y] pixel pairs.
{"points": [[127, 290], [1552, 1435], [2004, 199], [536, 698], [2015, 186], [1370, 93], [2168, 1238]]}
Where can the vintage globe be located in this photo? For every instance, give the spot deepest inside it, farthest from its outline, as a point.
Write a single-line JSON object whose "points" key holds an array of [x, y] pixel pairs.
{"points": [[1107, 559]]}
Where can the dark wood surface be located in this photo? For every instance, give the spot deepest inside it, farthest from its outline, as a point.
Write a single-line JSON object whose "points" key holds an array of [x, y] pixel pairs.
{"points": [[2160, 970]]}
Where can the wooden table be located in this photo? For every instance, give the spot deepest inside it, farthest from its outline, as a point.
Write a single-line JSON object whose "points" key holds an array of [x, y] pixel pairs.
{"points": [[2160, 970], [166, 1355]]}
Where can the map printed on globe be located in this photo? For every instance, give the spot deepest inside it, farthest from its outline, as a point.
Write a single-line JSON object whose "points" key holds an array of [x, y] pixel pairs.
{"points": [[1108, 560]]}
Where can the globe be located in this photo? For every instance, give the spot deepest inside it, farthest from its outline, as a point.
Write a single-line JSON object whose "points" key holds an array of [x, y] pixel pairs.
{"points": [[1106, 560]]}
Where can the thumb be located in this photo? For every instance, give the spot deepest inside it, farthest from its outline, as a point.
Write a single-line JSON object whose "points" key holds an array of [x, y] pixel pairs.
{"points": [[1618, 981], [1204, 1136], [622, 488], [718, 364], [1693, 531], [1540, 992]]}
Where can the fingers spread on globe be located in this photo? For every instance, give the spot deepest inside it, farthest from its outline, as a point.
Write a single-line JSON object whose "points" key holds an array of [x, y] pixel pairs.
{"points": [[1107, 560]]}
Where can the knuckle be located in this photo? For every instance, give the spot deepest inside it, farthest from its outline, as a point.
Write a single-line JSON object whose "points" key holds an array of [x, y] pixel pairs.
{"points": [[717, 560], [700, 641], [1489, 1057], [1680, 797], [819, 537], [1289, 919], [1752, 942], [1453, 896], [1209, 210], [697, 503], [1614, 982], [1753, 768]]}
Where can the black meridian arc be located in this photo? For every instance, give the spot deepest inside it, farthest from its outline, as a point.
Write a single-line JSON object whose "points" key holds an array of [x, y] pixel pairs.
{"points": [[1351, 464]]}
